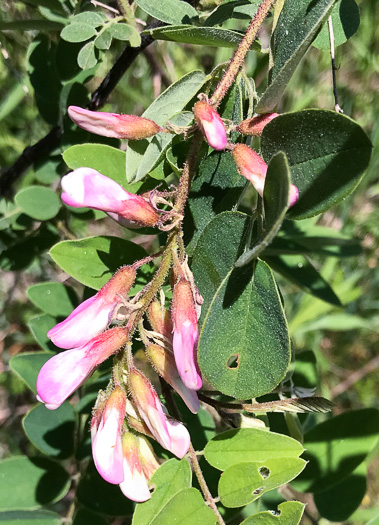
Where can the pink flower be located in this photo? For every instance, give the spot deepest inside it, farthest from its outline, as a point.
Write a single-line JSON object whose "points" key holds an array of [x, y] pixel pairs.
{"points": [[113, 125], [167, 433], [211, 125], [106, 438], [251, 166], [254, 126], [135, 484], [61, 375], [93, 316], [186, 335], [164, 363], [86, 187]]}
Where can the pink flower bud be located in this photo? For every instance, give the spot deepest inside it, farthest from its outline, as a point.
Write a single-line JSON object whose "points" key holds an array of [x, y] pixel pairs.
{"points": [[106, 438], [254, 126], [164, 363], [211, 125], [86, 187], [61, 375], [93, 316], [160, 320], [135, 485], [251, 166], [186, 335], [113, 125], [169, 433]]}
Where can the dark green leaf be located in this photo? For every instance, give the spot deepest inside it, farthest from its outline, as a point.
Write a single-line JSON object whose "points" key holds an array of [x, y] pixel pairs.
{"points": [[38, 202], [215, 189], [55, 299], [275, 200], [202, 36], [86, 517], [288, 513], [232, 9], [30, 483], [305, 376], [171, 11], [243, 483], [28, 364], [297, 27], [39, 326], [171, 477], [244, 301], [51, 431], [78, 32], [30, 517], [336, 447], [30, 25], [327, 153], [249, 444], [93, 261], [345, 18], [300, 271]]}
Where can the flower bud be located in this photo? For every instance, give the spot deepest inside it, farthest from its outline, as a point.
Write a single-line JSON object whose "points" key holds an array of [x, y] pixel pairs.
{"points": [[211, 125], [254, 126], [149, 460], [106, 438], [93, 316], [113, 125], [160, 319], [88, 188], [61, 375], [186, 335], [135, 484], [251, 166]]}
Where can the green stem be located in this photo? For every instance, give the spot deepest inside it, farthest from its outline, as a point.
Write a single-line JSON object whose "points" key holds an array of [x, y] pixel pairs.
{"points": [[242, 50]]}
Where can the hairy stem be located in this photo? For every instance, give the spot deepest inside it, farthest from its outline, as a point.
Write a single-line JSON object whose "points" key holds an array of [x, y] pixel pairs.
{"points": [[239, 56]]}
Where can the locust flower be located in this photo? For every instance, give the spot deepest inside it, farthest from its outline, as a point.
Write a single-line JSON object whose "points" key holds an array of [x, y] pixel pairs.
{"points": [[254, 126], [211, 125]]}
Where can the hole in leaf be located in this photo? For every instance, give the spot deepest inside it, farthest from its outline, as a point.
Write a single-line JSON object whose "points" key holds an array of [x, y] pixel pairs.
{"points": [[152, 487], [264, 472], [233, 361], [257, 491]]}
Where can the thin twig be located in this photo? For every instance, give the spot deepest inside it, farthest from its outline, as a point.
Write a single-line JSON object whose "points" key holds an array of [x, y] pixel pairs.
{"points": [[337, 107], [355, 377]]}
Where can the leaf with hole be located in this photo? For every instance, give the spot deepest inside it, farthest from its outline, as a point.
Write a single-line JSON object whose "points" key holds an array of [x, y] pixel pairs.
{"points": [[249, 445], [243, 301], [327, 154], [243, 483], [288, 513], [297, 27]]}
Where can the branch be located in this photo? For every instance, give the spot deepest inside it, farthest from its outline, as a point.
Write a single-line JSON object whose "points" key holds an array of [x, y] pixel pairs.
{"points": [[48, 143]]}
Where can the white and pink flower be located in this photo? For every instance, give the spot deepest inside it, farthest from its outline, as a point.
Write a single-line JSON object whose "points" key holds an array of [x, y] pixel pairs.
{"points": [[211, 125]]}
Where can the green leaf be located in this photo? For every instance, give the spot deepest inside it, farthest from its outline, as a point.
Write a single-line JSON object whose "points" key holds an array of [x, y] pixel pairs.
{"points": [[78, 32], [98, 495], [104, 40], [345, 18], [338, 322], [39, 326], [30, 517], [232, 9], [28, 364], [171, 477], [30, 25], [300, 271], [202, 36], [289, 513], [243, 483], [170, 11], [51, 431], [38, 202], [88, 18], [327, 153], [215, 189], [93, 261], [30, 483], [336, 447], [55, 299], [240, 300], [87, 56], [297, 26], [126, 32], [249, 444], [275, 200], [86, 517], [305, 376], [169, 103], [340, 501]]}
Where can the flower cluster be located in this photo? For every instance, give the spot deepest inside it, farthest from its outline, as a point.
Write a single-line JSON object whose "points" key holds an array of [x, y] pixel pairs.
{"points": [[130, 408]]}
